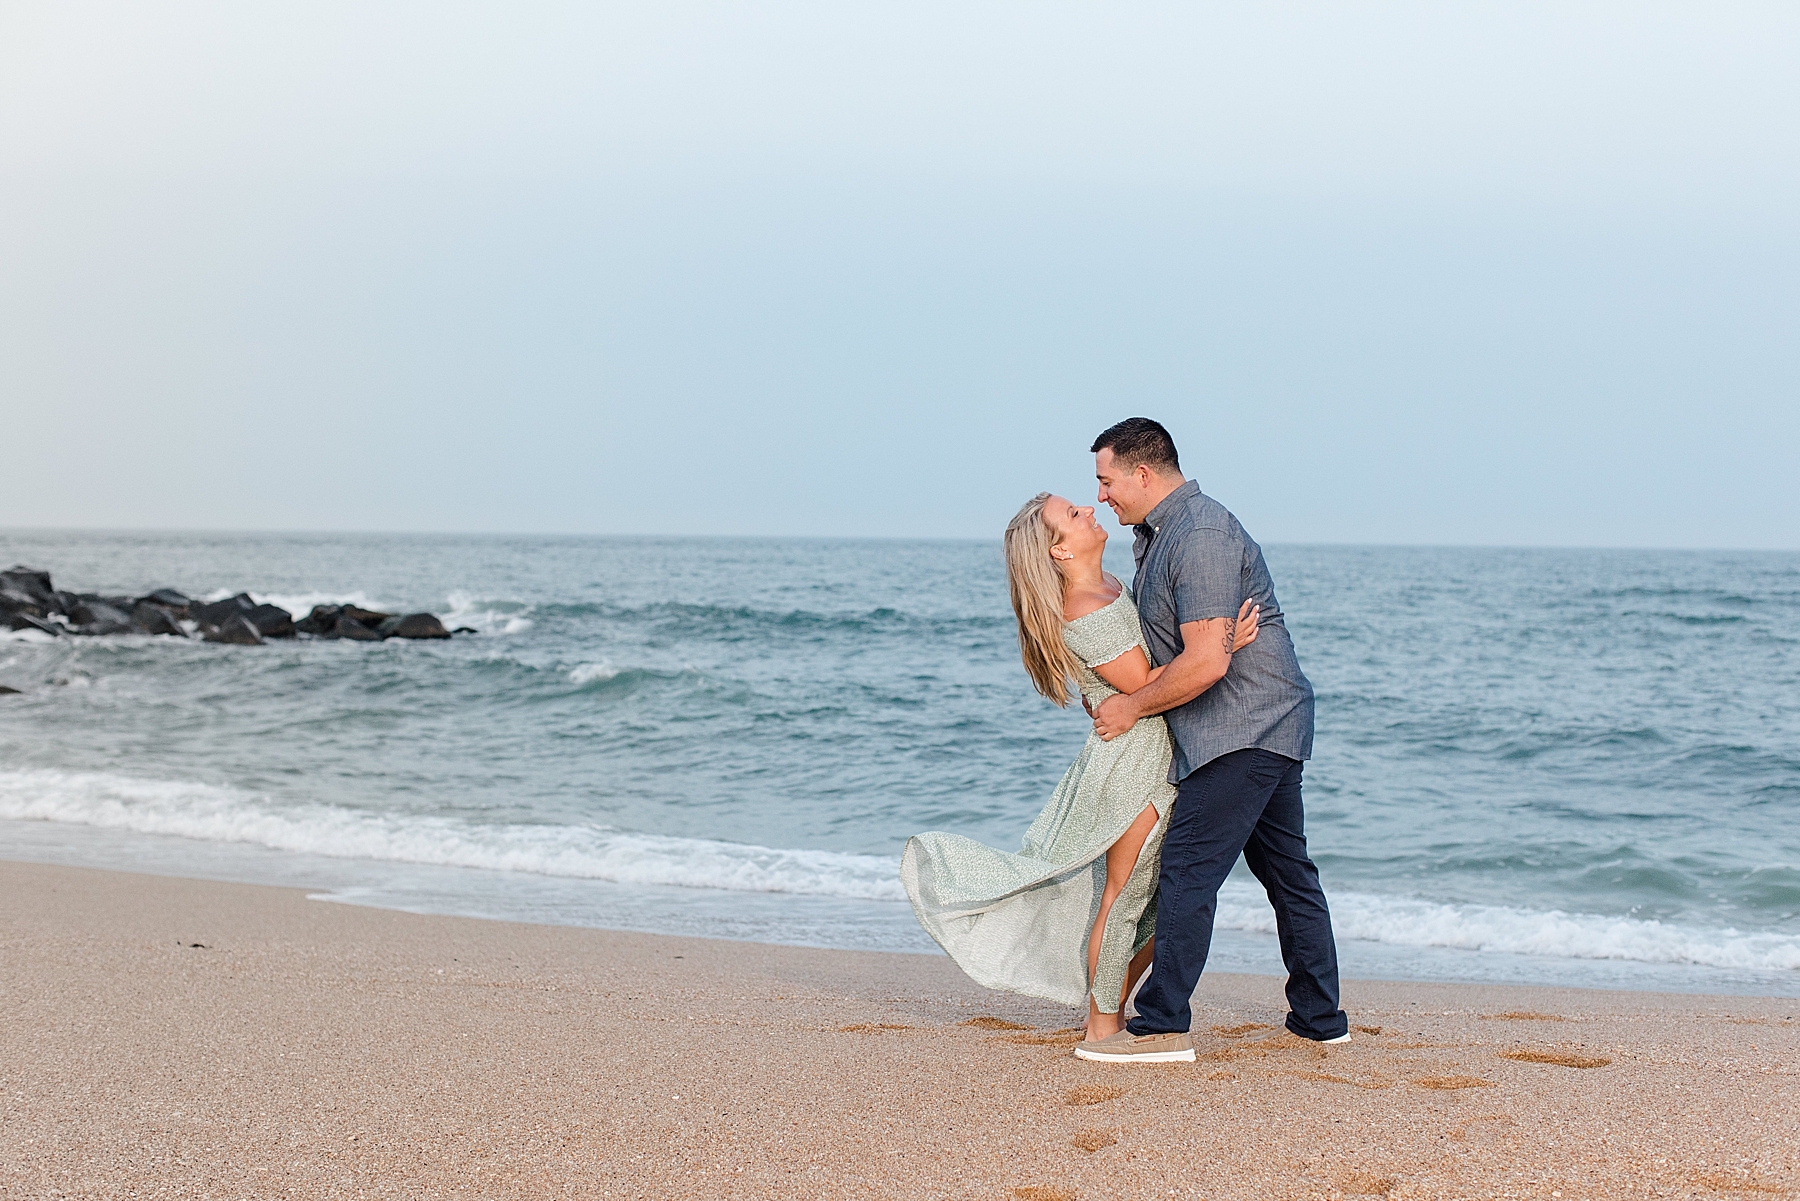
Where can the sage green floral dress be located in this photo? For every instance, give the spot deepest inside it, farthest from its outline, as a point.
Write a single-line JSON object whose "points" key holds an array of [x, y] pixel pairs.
{"points": [[1020, 922]]}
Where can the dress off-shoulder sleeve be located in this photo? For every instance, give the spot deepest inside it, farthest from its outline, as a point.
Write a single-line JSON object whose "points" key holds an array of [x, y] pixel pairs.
{"points": [[1105, 634]]}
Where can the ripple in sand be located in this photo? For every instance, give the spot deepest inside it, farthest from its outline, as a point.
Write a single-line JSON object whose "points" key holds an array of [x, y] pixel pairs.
{"points": [[991, 1023], [1560, 1058], [1327, 1077], [1092, 1140], [1092, 1094], [1240, 1031], [1453, 1082], [862, 1027], [1364, 1183], [1522, 1015], [1043, 1192], [1746, 1183], [1044, 1038]]}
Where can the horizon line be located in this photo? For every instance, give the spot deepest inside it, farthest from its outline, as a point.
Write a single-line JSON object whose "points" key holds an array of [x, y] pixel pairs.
{"points": [[596, 535]]}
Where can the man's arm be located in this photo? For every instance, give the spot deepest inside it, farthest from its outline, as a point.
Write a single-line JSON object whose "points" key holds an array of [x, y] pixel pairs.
{"points": [[1205, 657]]}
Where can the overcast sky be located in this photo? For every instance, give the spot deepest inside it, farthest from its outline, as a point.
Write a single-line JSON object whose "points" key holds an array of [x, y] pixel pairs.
{"points": [[1504, 273]]}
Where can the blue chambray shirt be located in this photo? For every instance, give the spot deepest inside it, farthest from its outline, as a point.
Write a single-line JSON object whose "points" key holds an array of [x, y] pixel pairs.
{"points": [[1195, 562]]}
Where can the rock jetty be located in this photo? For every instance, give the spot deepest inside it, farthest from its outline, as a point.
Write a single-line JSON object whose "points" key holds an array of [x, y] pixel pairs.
{"points": [[29, 601]]}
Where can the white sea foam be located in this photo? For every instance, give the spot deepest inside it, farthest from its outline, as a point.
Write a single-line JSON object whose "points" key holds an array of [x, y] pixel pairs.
{"points": [[587, 673], [487, 616], [1408, 921], [217, 814]]}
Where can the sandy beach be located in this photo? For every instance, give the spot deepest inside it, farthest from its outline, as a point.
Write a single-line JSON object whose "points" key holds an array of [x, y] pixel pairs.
{"points": [[170, 1037]]}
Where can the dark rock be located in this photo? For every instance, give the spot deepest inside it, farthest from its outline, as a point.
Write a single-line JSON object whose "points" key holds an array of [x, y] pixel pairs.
{"points": [[168, 598], [8, 690], [465, 630], [17, 602], [415, 625], [271, 621], [23, 590], [367, 617], [356, 631], [25, 621], [147, 618], [29, 601], [99, 615], [217, 613], [235, 630], [29, 577], [321, 621]]}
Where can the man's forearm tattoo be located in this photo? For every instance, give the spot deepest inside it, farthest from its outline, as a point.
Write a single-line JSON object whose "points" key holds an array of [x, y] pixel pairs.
{"points": [[1230, 634]]}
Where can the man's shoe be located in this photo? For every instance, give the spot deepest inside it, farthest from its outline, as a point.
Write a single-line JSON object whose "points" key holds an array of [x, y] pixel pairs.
{"points": [[1126, 1047], [1342, 1038]]}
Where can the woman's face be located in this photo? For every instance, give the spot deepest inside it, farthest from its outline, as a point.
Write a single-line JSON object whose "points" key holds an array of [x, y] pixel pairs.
{"points": [[1074, 528]]}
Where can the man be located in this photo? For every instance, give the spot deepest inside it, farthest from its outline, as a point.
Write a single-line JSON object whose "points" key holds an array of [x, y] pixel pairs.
{"points": [[1242, 726]]}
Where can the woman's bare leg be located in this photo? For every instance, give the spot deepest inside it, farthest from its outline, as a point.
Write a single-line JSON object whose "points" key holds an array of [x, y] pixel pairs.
{"points": [[1121, 858], [1138, 965]]}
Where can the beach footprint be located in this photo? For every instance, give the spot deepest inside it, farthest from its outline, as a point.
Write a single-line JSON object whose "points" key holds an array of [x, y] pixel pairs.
{"points": [[1563, 1059], [985, 1022], [1092, 1094]]}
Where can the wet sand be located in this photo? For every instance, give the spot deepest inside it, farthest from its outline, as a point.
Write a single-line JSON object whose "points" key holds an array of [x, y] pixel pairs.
{"points": [[181, 1038]]}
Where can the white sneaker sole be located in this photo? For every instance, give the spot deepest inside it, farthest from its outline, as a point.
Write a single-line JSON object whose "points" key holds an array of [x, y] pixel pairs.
{"points": [[1186, 1056], [1342, 1038]]}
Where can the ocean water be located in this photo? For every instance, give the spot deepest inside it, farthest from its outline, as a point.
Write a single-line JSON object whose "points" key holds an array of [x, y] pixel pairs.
{"points": [[1578, 767]]}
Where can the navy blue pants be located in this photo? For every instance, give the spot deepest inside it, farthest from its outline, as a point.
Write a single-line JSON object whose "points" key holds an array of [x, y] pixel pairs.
{"points": [[1248, 802]]}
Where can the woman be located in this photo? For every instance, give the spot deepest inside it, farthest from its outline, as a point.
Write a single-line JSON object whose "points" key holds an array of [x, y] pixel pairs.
{"points": [[1071, 916]]}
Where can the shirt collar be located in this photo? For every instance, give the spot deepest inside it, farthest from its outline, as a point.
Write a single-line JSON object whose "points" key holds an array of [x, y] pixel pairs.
{"points": [[1154, 520]]}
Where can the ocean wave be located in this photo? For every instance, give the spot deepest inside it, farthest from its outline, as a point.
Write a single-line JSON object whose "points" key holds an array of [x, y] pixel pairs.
{"points": [[727, 618], [216, 814], [540, 681], [1411, 922], [221, 814], [1692, 619], [489, 616], [1718, 596]]}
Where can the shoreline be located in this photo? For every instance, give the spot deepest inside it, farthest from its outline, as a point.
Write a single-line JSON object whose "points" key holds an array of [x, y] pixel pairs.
{"points": [[188, 1036], [794, 919]]}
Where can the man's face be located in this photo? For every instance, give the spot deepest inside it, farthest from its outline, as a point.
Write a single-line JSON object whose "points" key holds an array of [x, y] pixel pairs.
{"points": [[1126, 490]]}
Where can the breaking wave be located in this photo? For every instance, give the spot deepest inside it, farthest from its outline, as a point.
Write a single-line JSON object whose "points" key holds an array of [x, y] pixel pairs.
{"points": [[215, 814], [212, 813], [1411, 922]]}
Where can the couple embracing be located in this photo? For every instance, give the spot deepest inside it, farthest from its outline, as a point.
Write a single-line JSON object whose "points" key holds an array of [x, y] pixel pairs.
{"points": [[1202, 720]]}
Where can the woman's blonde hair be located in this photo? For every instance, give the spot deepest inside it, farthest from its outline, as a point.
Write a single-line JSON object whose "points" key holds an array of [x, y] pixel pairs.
{"points": [[1037, 599]]}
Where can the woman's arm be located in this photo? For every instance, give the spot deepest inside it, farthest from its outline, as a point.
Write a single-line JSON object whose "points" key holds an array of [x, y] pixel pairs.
{"points": [[1129, 672], [1132, 670]]}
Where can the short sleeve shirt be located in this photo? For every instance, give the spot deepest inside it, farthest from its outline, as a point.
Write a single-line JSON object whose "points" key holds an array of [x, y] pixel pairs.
{"points": [[1195, 563]]}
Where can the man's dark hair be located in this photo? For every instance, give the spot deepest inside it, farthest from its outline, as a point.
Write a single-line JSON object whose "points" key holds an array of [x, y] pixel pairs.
{"points": [[1138, 440]]}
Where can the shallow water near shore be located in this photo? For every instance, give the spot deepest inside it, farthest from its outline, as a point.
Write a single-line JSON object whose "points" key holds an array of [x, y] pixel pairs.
{"points": [[1577, 767]]}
